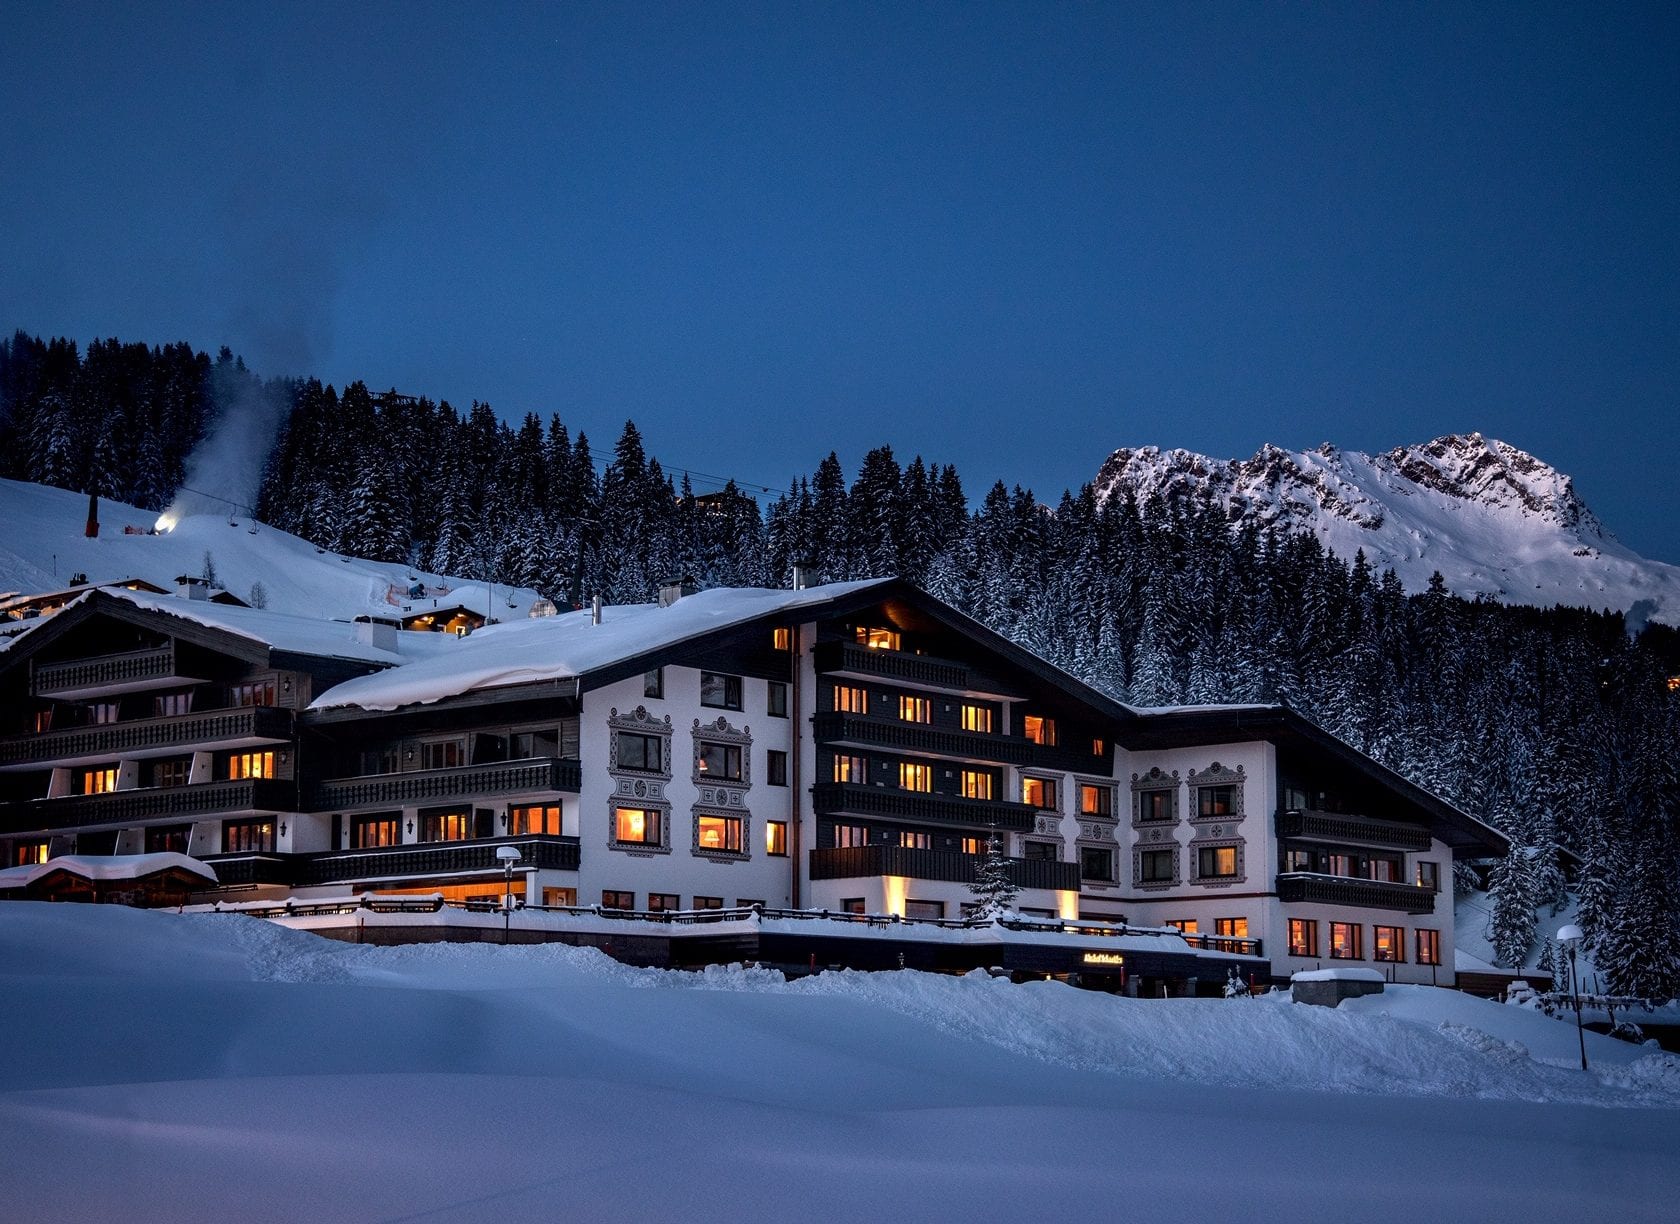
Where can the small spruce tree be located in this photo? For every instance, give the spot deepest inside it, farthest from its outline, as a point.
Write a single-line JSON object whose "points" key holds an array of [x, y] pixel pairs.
{"points": [[994, 890]]}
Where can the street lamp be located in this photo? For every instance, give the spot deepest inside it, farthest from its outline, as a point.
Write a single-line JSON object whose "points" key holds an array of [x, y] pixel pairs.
{"points": [[1570, 937], [507, 856]]}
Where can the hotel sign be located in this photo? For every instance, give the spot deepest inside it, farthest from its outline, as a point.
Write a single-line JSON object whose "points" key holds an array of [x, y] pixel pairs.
{"points": [[1103, 958]]}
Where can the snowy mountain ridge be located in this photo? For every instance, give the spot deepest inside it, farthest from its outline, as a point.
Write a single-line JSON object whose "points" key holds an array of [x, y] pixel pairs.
{"points": [[1493, 519]]}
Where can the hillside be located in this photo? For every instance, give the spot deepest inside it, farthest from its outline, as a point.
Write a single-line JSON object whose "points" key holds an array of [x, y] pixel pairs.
{"points": [[43, 546], [1492, 519]]}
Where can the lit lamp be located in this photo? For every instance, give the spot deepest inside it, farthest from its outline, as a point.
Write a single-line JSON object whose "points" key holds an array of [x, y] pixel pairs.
{"points": [[507, 856], [1570, 937]]}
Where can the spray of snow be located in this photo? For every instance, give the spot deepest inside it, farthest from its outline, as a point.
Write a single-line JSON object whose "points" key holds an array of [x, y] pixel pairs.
{"points": [[224, 471]]}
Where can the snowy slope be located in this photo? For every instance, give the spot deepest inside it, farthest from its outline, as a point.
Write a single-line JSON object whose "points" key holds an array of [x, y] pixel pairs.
{"points": [[218, 1067], [43, 545], [1492, 519]]}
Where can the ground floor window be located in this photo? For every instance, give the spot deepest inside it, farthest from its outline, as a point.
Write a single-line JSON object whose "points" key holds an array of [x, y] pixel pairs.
{"points": [[1231, 928], [705, 903], [247, 836], [167, 838], [27, 854], [924, 909], [749, 902], [661, 902], [1184, 926], [372, 832], [1428, 947], [1215, 862], [1344, 941], [1303, 937], [535, 818], [1155, 866], [559, 896], [1388, 943], [614, 898], [852, 905]]}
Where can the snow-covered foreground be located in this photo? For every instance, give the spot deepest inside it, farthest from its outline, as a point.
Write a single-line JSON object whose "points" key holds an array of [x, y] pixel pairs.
{"points": [[217, 1067]]}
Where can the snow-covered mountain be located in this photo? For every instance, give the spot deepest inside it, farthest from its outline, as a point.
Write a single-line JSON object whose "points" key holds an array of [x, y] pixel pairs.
{"points": [[1494, 520], [43, 546]]}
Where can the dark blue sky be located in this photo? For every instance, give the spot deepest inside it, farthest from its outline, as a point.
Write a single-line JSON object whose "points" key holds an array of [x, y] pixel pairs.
{"points": [[1009, 237]]}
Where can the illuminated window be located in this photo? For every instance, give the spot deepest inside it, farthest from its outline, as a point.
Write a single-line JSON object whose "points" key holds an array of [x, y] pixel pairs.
{"points": [[851, 905], [1184, 926], [653, 682], [915, 777], [775, 838], [614, 898], [1213, 862], [1040, 730], [166, 704], [976, 784], [443, 754], [172, 773], [850, 769], [535, 818], [775, 767], [915, 709], [1388, 943], [1303, 937], [976, 718], [1428, 947], [659, 903], [374, 832], [849, 699], [877, 639], [1231, 928], [719, 691], [1039, 793], [1215, 800], [258, 693], [29, 853], [43, 720], [1096, 800], [99, 781], [720, 833], [1155, 805], [247, 836], [781, 638], [776, 699], [1096, 863], [1429, 876], [916, 841], [720, 762], [1344, 941], [1391, 870], [1155, 866], [444, 826], [644, 752], [251, 765], [1098, 747], [974, 845], [559, 896], [637, 826], [847, 837]]}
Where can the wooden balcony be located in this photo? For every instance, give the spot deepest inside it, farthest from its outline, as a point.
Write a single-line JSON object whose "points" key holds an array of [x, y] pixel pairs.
{"points": [[133, 807], [144, 737], [858, 862], [917, 807], [1341, 827], [534, 776], [1361, 894], [433, 859], [134, 670], [857, 730], [850, 659]]}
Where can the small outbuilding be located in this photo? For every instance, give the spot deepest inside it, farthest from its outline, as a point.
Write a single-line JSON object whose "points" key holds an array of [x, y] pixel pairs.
{"points": [[146, 880]]}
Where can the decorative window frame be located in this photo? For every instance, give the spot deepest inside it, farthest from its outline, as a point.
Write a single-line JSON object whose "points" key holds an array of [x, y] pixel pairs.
{"points": [[1216, 775], [638, 722], [637, 788], [1165, 842], [1056, 780], [721, 792], [1147, 783], [1109, 784], [1110, 844], [1217, 843], [742, 855]]}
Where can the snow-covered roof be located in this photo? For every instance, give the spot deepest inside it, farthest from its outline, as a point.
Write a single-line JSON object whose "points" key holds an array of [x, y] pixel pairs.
{"points": [[106, 867], [571, 646], [1336, 975]]}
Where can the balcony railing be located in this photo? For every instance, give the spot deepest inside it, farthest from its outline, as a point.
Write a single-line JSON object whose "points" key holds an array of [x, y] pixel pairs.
{"points": [[149, 735], [844, 798], [890, 733], [890, 665], [853, 862], [1365, 894], [445, 785], [107, 671], [1241, 945], [436, 859], [127, 807], [1341, 827]]}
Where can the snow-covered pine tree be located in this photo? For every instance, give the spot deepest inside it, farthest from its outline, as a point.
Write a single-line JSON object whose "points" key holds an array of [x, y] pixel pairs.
{"points": [[1512, 929], [994, 889]]}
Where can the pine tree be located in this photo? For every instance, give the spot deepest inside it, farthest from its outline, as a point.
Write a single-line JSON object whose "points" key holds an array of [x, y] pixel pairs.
{"points": [[1513, 923], [994, 889]]}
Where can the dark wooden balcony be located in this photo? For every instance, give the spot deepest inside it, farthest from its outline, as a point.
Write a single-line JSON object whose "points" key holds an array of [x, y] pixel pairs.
{"points": [[850, 659], [113, 673], [1363, 894], [846, 799], [1240, 945], [132, 807], [250, 726], [435, 859], [857, 730], [377, 791], [1361, 830], [856, 862]]}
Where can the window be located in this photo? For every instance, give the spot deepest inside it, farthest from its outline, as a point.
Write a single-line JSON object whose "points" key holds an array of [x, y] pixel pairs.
{"points": [[613, 898], [1300, 860], [1155, 866], [974, 845], [1388, 943], [1041, 851], [1231, 928], [166, 704], [247, 836], [1216, 800], [719, 833], [915, 709], [1096, 863], [172, 773], [915, 841], [101, 713], [99, 781], [976, 784], [660, 903], [1429, 876], [1184, 926], [846, 836], [1096, 800], [776, 699], [775, 838], [653, 682], [29, 853], [781, 638], [719, 691], [849, 699], [559, 896], [749, 902], [1341, 864], [1040, 730], [167, 839], [637, 825], [535, 818], [1098, 746], [444, 826], [851, 905], [257, 693], [850, 769], [708, 903], [1155, 805], [644, 752], [571, 738], [877, 639], [776, 767], [529, 745], [251, 765], [43, 722], [977, 718], [372, 832], [927, 910], [915, 777], [1428, 947], [1213, 862], [720, 762], [1344, 941], [1303, 937], [443, 754], [1039, 793]]}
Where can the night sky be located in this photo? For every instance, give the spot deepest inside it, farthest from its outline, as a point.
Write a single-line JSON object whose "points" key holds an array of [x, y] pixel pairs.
{"points": [[1009, 237]]}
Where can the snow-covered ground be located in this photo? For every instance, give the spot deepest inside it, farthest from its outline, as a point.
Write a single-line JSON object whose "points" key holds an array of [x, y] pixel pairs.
{"points": [[217, 1067]]}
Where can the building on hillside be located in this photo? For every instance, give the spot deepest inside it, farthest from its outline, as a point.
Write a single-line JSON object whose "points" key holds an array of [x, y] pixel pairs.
{"points": [[851, 747]]}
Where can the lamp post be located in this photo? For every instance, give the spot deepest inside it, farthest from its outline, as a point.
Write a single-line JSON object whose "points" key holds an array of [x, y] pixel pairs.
{"points": [[507, 856], [1570, 937]]}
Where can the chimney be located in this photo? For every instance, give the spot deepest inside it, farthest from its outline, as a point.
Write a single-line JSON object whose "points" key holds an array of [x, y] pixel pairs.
{"points": [[93, 516], [373, 633], [189, 587], [595, 610], [673, 589], [802, 575]]}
